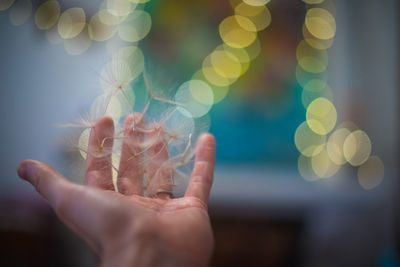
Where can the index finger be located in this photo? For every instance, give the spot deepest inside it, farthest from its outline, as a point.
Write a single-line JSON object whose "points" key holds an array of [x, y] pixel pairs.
{"points": [[203, 172], [98, 160]]}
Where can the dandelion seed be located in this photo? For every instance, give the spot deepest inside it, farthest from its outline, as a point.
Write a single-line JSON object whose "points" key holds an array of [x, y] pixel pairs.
{"points": [[152, 94], [166, 149], [83, 142], [115, 77]]}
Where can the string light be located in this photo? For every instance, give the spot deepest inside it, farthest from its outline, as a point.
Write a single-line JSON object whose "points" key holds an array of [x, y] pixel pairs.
{"points": [[346, 144], [229, 61], [323, 148]]}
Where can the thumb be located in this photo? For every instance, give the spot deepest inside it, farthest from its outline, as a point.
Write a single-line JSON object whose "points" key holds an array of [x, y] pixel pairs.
{"points": [[46, 180], [70, 201]]}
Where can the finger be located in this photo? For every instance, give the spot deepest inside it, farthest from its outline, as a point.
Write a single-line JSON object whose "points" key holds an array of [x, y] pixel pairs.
{"points": [[130, 176], [203, 172], [159, 172], [98, 160], [67, 199]]}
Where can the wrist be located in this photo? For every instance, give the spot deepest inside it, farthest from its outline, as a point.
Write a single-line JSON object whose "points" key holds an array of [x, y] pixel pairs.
{"points": [[149, 253], [144, 245]]}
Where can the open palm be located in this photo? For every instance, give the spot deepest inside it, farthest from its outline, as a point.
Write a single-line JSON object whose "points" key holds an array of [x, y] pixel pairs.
{"points": [[127, 228]]}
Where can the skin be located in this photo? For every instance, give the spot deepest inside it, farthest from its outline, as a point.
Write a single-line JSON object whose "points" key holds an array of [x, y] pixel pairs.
{"points": [[127, 228]]}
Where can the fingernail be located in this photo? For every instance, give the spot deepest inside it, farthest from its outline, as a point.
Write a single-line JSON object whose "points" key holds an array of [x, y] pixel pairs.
{"points": [[21, 171], [24, 170]]}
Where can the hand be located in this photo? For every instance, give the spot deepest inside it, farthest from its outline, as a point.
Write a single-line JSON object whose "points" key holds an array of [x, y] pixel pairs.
{"points": [[126, 228]]}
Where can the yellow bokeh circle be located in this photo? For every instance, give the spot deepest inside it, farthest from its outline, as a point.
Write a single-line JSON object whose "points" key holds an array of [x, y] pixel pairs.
{"points": [[323, 166], [357, 148], [194, 98], [335, 144], [100, 27], [321, 116], [135, 27], [259, 15], [71, 22], [371, 173], [310, 59], [320, 23], [47, 15], [237, 31], [219, 92], [308, 142], [305, 168], [256, 2], [226, 64]]}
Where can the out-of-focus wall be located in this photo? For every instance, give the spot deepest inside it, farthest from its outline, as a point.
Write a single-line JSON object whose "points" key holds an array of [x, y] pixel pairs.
{"points": [[364, 71], [42, 86]]}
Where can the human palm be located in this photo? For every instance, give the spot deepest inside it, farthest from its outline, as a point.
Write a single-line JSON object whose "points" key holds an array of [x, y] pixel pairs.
{"points": [[126, 228]]}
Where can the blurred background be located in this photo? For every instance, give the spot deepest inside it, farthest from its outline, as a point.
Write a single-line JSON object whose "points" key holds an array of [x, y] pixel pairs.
{"points": [[302, 97]]}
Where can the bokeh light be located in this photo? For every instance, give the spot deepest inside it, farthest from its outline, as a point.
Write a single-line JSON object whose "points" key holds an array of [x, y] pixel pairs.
{"points": [[219, 92], [195, 98], [323, 166], [316, 85], [5, 4], [371, 173], [135, 27], [305, 168], [109, 19], [259, 15], [47, 14], [240, 54], [315, 42], [351, 126], [321, 116], [311, 59], [226, 64], [139, 1], [133, 57], [313, 2], [308, 142], [357, 147], [99, 28], [114, 109], [238, 31], [212, 76], [71, 22], [119, 7], [254, 49], [256, 2], [20, 12], [320, 23], [335, 145]]}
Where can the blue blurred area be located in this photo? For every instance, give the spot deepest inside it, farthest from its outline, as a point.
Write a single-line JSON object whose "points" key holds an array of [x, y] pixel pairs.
{"points": [[246, 135]]}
